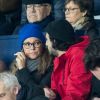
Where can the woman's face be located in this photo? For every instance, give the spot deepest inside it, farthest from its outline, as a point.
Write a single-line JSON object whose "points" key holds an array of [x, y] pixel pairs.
{"points": [[49, 45], [73, 13], [32, 47]]}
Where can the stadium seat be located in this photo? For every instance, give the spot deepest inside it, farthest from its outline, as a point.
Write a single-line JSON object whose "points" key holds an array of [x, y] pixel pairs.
{"points": [[8, 46], [96, 7]]}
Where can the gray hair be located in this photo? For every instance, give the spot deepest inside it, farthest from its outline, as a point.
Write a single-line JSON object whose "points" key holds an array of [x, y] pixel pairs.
{"points": [[9, 80]]}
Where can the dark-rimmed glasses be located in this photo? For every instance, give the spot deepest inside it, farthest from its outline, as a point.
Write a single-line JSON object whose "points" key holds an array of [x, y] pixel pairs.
{"points": [[29, 45], [70, 10]]}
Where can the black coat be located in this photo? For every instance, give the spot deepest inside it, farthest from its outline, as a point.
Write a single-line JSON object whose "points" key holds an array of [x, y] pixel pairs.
{"points": [[95, 92], [42, 23], [33, 83], [90, 29]]}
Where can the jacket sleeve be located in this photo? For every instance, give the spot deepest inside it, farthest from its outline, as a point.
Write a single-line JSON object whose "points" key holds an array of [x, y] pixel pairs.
{"points": [[25, 79], [79, 80]]}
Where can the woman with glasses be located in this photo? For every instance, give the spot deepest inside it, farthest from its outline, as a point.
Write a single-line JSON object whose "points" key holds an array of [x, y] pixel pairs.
{"points": [[80, 14], [32, 65]]}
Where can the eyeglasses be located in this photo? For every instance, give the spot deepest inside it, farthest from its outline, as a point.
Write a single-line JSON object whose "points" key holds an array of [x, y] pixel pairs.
{"points": [[70, 10], [36, 5], [29, 45]]}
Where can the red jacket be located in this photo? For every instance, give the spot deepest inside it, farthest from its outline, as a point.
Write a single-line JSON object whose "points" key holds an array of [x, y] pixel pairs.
{"points": [[69, 77]]}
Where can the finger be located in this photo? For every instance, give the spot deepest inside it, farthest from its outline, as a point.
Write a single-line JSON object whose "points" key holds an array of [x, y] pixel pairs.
{"points": [[52, 96], [18, 60], [20, 54], [16, 53], [19, 64], [21, 59]]}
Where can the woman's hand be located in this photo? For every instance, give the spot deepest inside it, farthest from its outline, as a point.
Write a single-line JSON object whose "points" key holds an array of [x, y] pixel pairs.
{"points": [[20, 60], [49, 93]]}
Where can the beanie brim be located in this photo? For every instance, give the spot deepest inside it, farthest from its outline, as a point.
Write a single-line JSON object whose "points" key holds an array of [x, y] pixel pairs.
{"points": [[61, 30]]}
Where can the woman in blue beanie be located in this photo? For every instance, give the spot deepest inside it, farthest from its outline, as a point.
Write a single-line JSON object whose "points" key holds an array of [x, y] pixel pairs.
{"points": [[32, 66]]}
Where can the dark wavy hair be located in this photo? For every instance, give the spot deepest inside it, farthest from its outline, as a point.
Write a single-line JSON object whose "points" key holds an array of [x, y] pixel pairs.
{"points": [[92, 55]]}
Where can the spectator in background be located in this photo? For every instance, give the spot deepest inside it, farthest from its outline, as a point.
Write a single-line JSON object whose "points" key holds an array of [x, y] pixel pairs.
{"points": [[32, 65], [9, 16], [69, 77], [80, 14], [37, 11], [92, 62], [58, 6], [96, 7], [9, 86]]}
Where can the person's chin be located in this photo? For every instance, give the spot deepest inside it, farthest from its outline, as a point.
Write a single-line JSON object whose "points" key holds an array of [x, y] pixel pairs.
{"points": [[32, 21], [52, 52], [67, 18], [33, 57]]}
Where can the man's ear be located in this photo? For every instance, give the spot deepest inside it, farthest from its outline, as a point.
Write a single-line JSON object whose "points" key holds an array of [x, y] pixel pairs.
{"points": [[48, 9], [15, 90], [84, 13]]}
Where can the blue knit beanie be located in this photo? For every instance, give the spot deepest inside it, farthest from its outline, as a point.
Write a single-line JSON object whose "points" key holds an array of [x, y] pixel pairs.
{"points": [[30, 30]]}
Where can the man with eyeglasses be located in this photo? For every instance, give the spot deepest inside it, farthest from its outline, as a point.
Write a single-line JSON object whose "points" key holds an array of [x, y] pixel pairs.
{"points": [[38, 11]]}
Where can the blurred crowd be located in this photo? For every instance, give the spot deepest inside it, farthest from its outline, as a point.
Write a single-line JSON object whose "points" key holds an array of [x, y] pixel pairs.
{"points": [[59, 52]]}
